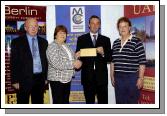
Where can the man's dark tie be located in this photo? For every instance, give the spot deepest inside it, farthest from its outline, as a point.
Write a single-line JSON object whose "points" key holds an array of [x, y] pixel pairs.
{"points": [[94, 40]]}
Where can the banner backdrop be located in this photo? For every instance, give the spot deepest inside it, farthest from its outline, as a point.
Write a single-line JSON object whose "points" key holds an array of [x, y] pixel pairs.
{"points": [[143, 26], [76, 19], [15, 15]]}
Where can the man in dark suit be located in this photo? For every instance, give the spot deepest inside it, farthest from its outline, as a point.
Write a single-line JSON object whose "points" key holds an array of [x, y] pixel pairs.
{"points": [[29, 64], [94, 74]]}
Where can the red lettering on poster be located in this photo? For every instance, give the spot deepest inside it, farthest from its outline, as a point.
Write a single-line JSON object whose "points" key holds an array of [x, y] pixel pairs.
{"points": [[132, 11]]}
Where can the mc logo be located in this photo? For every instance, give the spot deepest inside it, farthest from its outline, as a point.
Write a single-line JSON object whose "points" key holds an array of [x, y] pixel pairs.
{"points": [[77, 15]]}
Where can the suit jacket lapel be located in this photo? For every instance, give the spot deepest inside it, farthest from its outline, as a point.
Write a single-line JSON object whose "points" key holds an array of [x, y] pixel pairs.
{"points": [[90, 40], [27, 46], [98, 37], [98, 40], [40, 48]]}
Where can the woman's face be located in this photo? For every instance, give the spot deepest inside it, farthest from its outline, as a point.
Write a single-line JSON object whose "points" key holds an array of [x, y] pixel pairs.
{"points": [[61, 36], [124, 28]]}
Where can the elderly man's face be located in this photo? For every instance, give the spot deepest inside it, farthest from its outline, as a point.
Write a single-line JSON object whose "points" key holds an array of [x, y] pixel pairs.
{"points": [[31, 26]]}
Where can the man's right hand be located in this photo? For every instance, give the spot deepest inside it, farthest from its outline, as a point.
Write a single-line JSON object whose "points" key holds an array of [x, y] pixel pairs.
{"points": [[16, 86]]}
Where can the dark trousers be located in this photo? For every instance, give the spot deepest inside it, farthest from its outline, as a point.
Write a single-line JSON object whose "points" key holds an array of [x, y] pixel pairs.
{"points": [[60, 92], [126, 90], [36, 91], [93, 89]]}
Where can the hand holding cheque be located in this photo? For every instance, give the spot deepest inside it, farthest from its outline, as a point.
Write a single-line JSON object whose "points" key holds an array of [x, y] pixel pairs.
{"points": [[100, 50]]}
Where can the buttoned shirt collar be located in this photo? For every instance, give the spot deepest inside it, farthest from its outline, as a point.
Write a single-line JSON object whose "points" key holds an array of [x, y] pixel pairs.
{"points": [[91, 34], [30, 37]]}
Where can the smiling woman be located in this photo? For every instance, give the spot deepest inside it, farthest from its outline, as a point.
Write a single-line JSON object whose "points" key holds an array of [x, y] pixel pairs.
{"points": [[128, 64], [61, 66]]}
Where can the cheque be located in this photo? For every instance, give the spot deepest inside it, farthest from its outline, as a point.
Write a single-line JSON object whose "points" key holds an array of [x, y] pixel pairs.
{"points": [[87, 52]]}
